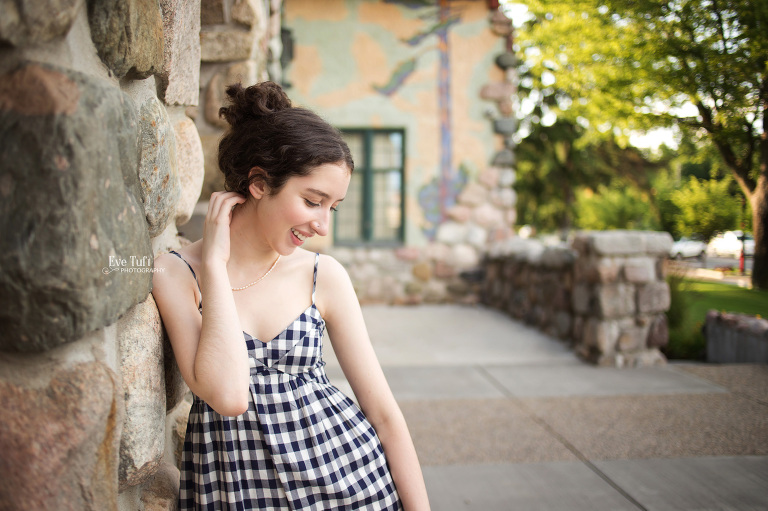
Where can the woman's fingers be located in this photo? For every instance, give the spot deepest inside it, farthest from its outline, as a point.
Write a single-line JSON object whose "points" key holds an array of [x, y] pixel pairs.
{"points": [[222, 203]]}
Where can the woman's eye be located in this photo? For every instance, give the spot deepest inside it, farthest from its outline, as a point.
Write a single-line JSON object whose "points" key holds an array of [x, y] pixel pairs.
{"points": [[311, 204]]}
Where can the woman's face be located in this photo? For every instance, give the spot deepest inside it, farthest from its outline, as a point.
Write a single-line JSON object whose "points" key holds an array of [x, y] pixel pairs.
{"points": [[303, 206]]}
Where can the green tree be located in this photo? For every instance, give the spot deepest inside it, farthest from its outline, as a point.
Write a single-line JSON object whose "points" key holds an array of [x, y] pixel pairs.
{"points": [[705, 207], [615, 207], [552, 166], [700, 65]]}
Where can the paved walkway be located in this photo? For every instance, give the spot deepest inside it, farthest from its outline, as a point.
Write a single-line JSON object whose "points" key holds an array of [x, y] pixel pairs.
{"points": [[506, 418]]}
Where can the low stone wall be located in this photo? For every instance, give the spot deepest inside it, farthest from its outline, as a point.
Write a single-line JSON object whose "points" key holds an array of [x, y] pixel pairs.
{"points": [[736, 338], [605, 292]]}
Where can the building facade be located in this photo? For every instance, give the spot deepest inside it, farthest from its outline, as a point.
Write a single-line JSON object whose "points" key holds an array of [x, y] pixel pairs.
{"points": [[424, 94]]}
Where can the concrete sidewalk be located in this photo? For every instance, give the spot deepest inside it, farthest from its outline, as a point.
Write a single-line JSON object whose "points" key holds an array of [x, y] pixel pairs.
{"points": [[506, 418]]}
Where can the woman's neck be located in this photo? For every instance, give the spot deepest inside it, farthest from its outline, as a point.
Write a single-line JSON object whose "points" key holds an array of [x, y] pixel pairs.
{"points": [[248, 250]]}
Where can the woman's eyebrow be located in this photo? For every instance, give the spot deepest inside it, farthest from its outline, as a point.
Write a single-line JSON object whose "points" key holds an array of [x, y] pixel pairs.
{"points": [[321, 193], [318, 192]]}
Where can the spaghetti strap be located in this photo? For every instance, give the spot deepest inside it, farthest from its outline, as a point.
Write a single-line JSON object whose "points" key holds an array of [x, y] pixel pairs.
{"points": [[200, 305], [314, 277]]}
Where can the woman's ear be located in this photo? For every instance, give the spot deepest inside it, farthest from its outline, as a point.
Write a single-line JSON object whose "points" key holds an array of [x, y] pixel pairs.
{"points": [[258, 184]]}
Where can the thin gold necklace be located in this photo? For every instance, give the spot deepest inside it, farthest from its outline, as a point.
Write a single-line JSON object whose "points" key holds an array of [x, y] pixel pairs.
{"points": [[260, 278]]}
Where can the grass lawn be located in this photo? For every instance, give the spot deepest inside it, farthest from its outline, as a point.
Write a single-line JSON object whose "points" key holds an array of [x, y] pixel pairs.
{"points": [[690, 302]]}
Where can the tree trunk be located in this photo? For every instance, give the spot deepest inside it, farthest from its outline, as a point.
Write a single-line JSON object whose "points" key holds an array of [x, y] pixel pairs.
{"points": [[759, 200]]}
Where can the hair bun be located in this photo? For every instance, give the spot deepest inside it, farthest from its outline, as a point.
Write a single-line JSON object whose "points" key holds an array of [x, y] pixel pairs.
{"points": [[258, 100]]}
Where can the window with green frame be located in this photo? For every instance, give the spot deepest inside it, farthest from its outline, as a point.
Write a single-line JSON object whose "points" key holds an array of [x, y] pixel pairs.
{"points": [[372, 212]]}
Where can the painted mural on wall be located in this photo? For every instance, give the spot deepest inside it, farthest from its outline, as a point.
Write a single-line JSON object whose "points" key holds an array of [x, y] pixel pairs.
{"points": [[438, 196]]}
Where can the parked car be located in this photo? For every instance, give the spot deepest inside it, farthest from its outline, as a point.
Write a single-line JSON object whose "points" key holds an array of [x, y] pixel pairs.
{"points": [[688, 247], [729, 244]]}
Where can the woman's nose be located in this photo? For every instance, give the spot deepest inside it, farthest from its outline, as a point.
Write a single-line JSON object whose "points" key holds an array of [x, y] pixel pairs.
{"points": [[320, 226]]}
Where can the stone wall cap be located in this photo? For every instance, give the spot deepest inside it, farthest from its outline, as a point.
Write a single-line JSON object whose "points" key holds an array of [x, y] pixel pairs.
{"points": [[622, 242], [754, 325]]}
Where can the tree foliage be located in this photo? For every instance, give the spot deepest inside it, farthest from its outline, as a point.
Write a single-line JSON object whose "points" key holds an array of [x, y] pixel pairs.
{"points": [[700, 65], [616, 207], [705, 207]]}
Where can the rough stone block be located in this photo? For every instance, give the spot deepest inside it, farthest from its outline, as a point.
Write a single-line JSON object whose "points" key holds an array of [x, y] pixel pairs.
{"points": [[212, 12], [653, 297], [140, 337], [160, 190], [487, 216], [608, 243], [473, 194], [460, 213], [476, 236], [251, 13], [422, 271], [489, 177], [463, 257], [640, 270], [162, 491], [607, 269], [214, 100], [451, 233], [504, 198], [406, 253], [33, 23], [179, 78], [658, 332], [584, 271], [444, 270], [225, 45], [213, 180], [128, 35], [505, 126], [59, 436], [581, 298], [507, 177], [615, 300], [191, 168], [657, 243], [74, 242], [504, 158], [631, 339], [436, 291], [563, 324], [601, 336], [176, 428], [497, 91]]}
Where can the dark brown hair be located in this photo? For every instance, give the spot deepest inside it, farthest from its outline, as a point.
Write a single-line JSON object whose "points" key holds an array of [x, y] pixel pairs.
{"points": [[266, 131]]}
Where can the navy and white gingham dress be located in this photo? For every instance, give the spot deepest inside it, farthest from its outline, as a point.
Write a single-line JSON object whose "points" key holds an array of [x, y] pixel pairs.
{"points": [[302, 444]]}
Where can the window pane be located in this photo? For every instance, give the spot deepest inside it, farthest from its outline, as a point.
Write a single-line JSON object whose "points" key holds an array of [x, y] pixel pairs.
{"points": [[355, 143], [349, 217], [387, 205], [387, 150]]}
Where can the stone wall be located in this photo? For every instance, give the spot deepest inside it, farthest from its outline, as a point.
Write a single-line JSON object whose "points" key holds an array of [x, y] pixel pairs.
{"points": [[101, 163], [604, 292], [240, 42], [736, 338]]}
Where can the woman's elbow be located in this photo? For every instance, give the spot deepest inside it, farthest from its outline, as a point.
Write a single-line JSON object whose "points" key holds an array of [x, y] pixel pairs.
{"points": [[230, 404], [230, 407]]}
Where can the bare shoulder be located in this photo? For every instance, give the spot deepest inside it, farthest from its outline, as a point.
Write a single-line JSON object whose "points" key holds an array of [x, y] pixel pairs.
{"points": [[329, 267], [335, 292], [172, 279], [331, 273]]}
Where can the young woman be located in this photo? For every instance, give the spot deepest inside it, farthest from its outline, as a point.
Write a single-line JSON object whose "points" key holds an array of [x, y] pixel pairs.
{"points": [[267, 430]]}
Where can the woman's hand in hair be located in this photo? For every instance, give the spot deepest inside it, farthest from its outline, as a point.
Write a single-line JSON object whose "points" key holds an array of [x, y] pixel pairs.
{"points": [[216, 228]]}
